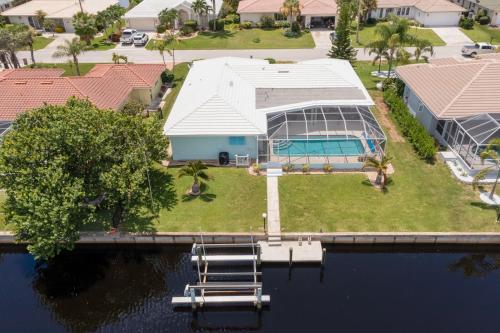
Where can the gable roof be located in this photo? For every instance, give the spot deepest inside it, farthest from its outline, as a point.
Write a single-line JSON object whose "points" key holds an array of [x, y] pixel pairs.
{"points": [[151, 8], [309, 7], [232, 96], [58, 8], [428, 6], [456, 88], [107, 86]]}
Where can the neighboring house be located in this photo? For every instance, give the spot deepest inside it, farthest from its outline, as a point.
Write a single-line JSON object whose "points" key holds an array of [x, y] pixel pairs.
{"points": [[107, 86], [5, 4], [314, 13], [144, 16], [430, 13], [61, 11], [312, 112], [458, 102], [492, 8]]}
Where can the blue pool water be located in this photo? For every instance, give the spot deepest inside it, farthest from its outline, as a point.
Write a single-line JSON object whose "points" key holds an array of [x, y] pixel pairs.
{"points": [[322, 147]]}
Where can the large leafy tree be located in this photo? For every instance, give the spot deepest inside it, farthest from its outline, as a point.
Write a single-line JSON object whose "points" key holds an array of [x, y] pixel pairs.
{"points": [[85, 26], [71, 49], [12, 38], [341, 48], [64, 167]]}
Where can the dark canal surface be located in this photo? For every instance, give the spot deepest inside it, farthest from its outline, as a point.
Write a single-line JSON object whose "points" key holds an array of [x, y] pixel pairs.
{"points": [[368, 289]]}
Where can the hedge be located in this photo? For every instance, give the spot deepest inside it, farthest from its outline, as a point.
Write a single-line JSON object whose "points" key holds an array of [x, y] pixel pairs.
{"points": [[417, 135]]}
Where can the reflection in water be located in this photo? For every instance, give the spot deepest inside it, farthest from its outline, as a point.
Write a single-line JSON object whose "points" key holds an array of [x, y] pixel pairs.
{"points": [[476, 264], [101, 286]]}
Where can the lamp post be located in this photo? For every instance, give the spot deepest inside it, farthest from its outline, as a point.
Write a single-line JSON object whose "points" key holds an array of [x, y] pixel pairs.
{"points": [[264, 217]]}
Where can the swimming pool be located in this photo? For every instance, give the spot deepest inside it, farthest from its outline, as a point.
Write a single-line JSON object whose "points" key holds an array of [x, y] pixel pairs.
{"points": [[320, 147]]}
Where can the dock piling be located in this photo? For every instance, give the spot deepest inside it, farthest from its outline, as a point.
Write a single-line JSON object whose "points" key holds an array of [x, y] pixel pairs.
{"points": [[290, 261], [323, 257]]}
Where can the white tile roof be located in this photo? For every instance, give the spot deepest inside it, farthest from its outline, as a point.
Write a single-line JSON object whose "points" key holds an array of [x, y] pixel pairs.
{"points": [[219, 95], [151, 8]]}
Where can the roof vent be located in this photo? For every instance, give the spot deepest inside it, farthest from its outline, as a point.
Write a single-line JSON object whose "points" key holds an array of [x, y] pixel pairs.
{"points": [[231, 83], [47, 82], [283, 71], [21, 82]]}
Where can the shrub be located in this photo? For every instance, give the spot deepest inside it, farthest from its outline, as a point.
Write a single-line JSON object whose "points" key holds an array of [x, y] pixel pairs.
{"points": [[266, 22], [232, 18], [307, 30], [246, 25], [59, 30], [290, 34], [480, 13], [295, 27], [484, 20], [466, 23], [305, 168], [281, 24], [394, 83], [288, 167], [271, 60], [371, 21], [219, 25], [186, 30], [256, 168], [192, 24], [167, 76], [423, 143], [161, 29], [328, 168], [256, 40]]}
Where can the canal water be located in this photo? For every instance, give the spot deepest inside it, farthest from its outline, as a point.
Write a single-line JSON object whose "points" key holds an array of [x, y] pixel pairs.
{"points": [[362, 289]]}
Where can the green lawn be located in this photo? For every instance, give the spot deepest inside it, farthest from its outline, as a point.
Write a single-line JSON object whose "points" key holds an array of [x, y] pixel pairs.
{"points": [[243, 39], [68, 71], [483, 33], [367, 34], [233, 201], [99, 44], [39, 43], [180, 72]]}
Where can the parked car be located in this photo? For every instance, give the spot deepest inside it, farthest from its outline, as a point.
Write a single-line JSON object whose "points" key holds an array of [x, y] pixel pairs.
{"points": [[473, 50], [140, 39], [128, 36]]}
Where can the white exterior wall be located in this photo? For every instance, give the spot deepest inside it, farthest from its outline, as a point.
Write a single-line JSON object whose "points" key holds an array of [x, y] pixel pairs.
{"points": [[495, 18], [142, 23], [19, 20], [208, 147], [252, 17], [68, 24], [438, 19]]}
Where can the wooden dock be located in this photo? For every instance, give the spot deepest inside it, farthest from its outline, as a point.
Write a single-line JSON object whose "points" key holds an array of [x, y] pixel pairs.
{"points": [[221, 300], [225, 259]]}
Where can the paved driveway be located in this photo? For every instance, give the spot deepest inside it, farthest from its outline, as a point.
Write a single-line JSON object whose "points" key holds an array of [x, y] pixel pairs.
{"points": [[452, 36], [322, 38]]}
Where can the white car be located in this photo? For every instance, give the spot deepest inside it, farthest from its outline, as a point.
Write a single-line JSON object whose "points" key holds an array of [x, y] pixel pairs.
{"points": [[128, 36], [473, 50], [140, 39]]}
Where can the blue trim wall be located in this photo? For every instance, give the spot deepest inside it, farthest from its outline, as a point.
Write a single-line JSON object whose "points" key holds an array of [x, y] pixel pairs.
{"points": [[209, 147]]}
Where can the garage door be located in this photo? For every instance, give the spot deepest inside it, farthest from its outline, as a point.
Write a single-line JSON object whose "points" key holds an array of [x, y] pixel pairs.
{"points": [[142, 23], [445, 19]]}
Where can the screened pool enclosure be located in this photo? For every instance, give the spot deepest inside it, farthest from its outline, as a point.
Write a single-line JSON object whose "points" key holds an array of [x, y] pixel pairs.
{"points": [[337, 135], [468, 137]]}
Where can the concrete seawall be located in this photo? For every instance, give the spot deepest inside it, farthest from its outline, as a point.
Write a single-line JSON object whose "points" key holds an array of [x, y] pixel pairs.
{"points": [[327, 238]]}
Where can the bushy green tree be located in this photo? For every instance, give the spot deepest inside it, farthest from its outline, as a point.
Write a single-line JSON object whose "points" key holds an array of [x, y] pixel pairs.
{"points": [[65, 167], [85, 26], [341, 48], [12, 38]]}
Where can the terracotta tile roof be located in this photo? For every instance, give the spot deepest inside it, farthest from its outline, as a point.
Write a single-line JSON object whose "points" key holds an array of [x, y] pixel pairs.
{"points": [[309, 7], [456, 88], [429, 6], [106, 86], [31, 73]]}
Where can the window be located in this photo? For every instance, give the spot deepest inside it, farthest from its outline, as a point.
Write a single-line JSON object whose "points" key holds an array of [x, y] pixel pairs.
{"points": [[399, 11], [237, 140], [407, 11], [279, 17], [440, 126]]}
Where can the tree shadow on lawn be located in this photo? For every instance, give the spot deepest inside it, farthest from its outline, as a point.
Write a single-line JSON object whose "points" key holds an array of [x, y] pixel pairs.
{"points": [[219, 34], [206, 197], [384, 190], [164, 197], [485, 206]]}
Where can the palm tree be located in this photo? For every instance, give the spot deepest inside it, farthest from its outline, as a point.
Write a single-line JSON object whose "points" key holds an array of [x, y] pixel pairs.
{"points": [[422, 46], [200, 8], [172, 40], [161, 46], [195, 169], [71, 49], [381, 166], [379, 48], [116, 58], [29, 36], [363, 7], [291, 9], [167, 17], [492, 154], [214, 12], [40, 17]]}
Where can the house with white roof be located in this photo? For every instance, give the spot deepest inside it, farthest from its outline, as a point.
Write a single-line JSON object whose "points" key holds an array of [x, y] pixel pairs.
{"points": [[61, 11], [5, 4], [492, 8], [312, 112], [458, 102], [429, 13], [144, 16]]}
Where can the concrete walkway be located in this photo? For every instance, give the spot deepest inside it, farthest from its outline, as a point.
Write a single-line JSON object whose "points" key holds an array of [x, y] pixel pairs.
{"points": [[322, 38], [452, 36], [273, 207]]}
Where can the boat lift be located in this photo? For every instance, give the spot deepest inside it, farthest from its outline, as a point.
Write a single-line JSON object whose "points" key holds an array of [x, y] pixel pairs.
{"points": [[231, 291]]}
